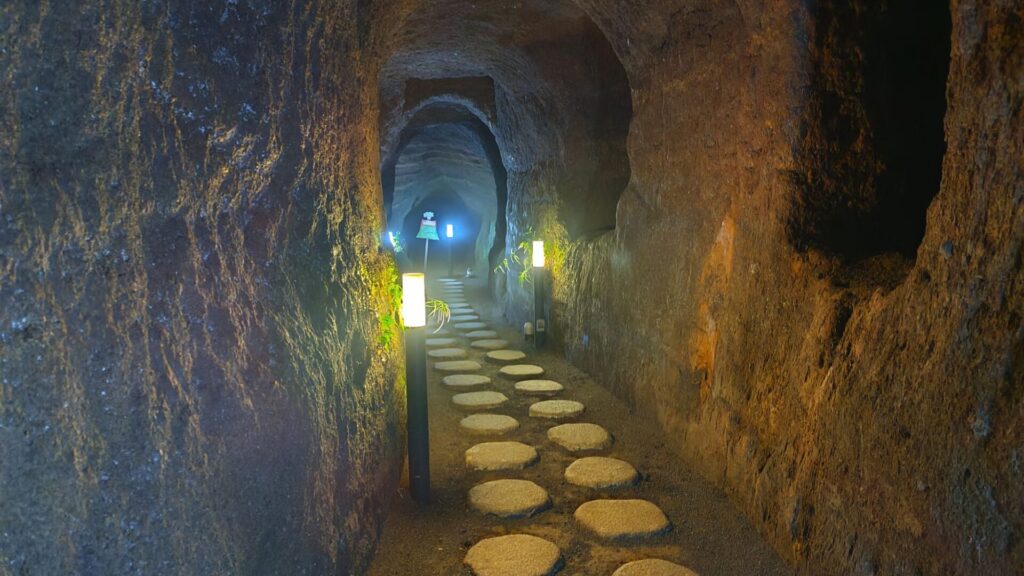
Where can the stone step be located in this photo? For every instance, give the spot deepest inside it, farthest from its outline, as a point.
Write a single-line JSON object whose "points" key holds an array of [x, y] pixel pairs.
{"points": [[481, 334], [457, 366], [464, 318], [488, 424], [556, 409], [601, 473], [465, 381], [509, 498], [538, 388], [469, 326], [521, 371], [505, 356], [448, 353], [479, 400], [441, 342], [492, 456], [514, 555], [580, 437], [622, 519], [489, 344], [653, 567]]}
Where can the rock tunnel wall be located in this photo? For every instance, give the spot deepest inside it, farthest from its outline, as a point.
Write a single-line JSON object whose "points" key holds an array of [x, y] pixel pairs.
{"points": [[197, 339], [865, 413]]}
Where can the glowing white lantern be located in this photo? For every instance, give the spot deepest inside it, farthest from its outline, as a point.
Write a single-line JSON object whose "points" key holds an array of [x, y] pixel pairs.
{"points": [[538, 253], [414, 306]]}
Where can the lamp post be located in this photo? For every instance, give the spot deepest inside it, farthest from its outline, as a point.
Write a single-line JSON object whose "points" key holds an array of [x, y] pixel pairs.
{"points": [[540, 323], [449, 231], [414, 315]]}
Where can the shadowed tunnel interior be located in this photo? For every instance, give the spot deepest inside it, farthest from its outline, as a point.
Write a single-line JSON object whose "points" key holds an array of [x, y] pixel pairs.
{"points": [[783, 286]]}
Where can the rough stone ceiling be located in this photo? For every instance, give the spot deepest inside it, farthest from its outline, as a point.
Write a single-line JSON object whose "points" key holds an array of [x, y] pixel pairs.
{"points": [[521, 46], [440, 158]]}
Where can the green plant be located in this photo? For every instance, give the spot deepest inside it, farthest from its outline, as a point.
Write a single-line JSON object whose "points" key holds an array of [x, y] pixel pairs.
{"points": [[439, 312], [516, 257], [389, 321]]}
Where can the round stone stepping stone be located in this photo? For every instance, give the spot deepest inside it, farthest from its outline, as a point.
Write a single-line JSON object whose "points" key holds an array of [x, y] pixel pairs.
{"points": [[489, 344], [479, 400], [440, 342], [505, 356], [537, 387], [465, 381], [622, 519], [465, 318], [514, 555], [556, 409], [488, 424], [521, 371], [447, 353], [491, 456], [469, 326], [482, 334], [509, 498], [601, 473], [580, 437], [462, 310], [455, 301], [457, 366], [653, 567]]}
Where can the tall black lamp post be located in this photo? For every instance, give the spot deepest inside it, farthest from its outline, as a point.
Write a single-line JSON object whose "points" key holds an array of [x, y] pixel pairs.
{"points": [[414, 315], [538, 294]]}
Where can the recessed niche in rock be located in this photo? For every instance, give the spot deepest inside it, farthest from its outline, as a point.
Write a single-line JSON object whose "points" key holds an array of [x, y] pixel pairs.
{"points": [[871, 158]]}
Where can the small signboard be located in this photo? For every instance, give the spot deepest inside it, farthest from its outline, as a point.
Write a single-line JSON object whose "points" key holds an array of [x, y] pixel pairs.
{"points": [[428, 227]]}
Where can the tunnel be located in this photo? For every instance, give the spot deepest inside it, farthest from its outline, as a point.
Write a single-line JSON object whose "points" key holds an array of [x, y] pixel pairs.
{"points": [[730, 288]]}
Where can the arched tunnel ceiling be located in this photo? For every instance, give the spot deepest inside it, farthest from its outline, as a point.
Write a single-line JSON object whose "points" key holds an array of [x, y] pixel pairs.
{"points": [[556, 79], [440, 158]]}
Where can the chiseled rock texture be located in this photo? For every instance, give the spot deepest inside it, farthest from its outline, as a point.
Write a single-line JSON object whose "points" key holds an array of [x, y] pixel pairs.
{"points": [[860, 401], [820, 307], [198, 372]]}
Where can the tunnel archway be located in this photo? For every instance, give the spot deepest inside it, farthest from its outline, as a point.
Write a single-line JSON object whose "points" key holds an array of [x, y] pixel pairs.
{"points": [[447, 153], [546, 82]]}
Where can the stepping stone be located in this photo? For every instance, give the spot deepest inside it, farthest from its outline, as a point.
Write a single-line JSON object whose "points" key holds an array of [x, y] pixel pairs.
{"points": [[482, 334], [457, 366], [479, 400], [537, 387], [449, 281], [653, 567], [447, 353], [465, 381], [489, 344], [601, 473], [556, 409], [509, 498], [455, 301], [491, 456], [457, 310], [444, 342], [505, 356], [521, 371], [622, 519], [488, 424], [514, 555], [580, 437], [465, 318], [469, 326]]}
